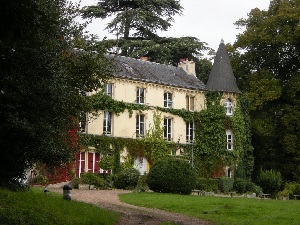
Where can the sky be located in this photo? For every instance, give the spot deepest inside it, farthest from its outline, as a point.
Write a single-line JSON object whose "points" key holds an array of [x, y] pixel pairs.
{"points": [[208, 20]]}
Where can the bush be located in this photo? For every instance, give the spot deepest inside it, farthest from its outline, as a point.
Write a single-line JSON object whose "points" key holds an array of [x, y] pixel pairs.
{"points": [[207, 184], [225, 184], [127, 179], [297, 190], [142, 184], [242, 186], [239, 185], [270, 181], [290, 189], [170, 175], [92, 179]]}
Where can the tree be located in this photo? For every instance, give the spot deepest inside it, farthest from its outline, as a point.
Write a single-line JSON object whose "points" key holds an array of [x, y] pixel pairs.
{"points": [[270, 66], [136, 23], [41, 80], [161, 49], [142, 17]]}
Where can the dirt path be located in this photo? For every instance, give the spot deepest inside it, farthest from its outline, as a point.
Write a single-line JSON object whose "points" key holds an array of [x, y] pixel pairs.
{"points": [[132, 215]]}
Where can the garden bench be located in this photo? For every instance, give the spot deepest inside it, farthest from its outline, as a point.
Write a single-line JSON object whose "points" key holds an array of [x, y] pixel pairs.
{"points": [[264, 196], [199, 192], [296, 196]]}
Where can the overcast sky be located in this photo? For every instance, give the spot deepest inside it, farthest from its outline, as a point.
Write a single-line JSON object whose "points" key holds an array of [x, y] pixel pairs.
{"points": [[207, 20]]}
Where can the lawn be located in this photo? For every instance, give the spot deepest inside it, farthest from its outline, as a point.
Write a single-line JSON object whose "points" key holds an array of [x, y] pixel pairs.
{"points": [[34, 207], [221, 210]]}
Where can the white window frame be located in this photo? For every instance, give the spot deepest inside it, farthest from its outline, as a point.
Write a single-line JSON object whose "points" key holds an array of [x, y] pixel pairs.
{"points": [[140, 95], [140, 126], [190, 134], [107, 123], [168, 100], [229, 107], [229, 140], [190, 103], [168, 129], [111, 91]]}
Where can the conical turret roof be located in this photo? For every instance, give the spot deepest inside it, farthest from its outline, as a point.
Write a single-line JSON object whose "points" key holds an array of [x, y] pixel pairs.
{"points": [[221, 77]]}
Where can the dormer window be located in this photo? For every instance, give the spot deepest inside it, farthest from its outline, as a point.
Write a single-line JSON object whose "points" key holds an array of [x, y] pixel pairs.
{"points": [[228, 107], [168, 100], [140, 95]]}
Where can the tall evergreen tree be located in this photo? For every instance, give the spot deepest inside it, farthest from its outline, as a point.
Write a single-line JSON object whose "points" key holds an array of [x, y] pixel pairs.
{"points": [[136, 22], [141, 17]]}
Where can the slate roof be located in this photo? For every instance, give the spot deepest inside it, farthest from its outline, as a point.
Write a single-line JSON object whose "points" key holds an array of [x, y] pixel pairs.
{"points": [[221, 77], [136, 69]]}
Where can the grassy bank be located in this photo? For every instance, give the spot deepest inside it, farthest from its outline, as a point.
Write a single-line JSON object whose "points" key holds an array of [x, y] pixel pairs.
{"points": [[34, 207], [220, 210]]}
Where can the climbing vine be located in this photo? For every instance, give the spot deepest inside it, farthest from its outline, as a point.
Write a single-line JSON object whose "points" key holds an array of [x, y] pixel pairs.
{"points": [[156, 146], [208, 154], [210, 151]]}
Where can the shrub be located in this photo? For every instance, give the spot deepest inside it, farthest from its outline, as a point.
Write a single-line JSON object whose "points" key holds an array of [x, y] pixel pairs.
{"points": [[142, 184], [127, 179], [170, 175], [270, 181], [297, 190], [290, 189], [239, 185], [205, 184], [92, 179], [242, 186], [75, 183], [225, 184]]}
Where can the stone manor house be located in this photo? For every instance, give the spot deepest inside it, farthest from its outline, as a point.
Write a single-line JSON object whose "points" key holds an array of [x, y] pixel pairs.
{"points": [[140, 81]]}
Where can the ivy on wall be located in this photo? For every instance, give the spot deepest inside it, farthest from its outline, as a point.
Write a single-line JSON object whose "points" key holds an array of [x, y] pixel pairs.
{"points": [[210, 151], [208, 154]]}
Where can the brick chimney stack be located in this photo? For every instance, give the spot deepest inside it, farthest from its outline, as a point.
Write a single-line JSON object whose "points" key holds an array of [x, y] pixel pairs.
{"points": [[144, 58], [188, 66]]}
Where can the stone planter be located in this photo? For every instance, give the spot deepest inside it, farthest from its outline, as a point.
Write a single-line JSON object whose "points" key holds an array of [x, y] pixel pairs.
{"points": [[84, 186]]}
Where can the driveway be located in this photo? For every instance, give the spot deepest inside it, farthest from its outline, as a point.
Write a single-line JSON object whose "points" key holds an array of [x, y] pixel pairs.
{"points": [[131, 215]]}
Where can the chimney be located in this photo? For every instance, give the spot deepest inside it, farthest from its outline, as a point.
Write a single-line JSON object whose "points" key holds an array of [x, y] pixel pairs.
{"points": [[144, 58], [188, 66]]}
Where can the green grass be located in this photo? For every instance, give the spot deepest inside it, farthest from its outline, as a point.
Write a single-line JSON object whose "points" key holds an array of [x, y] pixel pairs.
{"points": [[34, 207], [220, 210]]}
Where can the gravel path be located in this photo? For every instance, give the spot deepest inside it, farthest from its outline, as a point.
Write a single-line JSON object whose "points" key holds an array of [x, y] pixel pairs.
{"points": [[132, 215]]}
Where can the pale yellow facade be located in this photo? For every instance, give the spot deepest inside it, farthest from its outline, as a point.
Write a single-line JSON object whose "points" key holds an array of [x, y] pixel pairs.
{"points": [[126, 90]]}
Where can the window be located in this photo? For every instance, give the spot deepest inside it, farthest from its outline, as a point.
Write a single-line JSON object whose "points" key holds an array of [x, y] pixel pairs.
{"points": [[229, 141], [190, 103], [140, 126], [228, 172], [168, 129], [228, 107], [140, 96], [109, 89], [168, 100], [190, 132], [82, 122], [107, 120]]}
